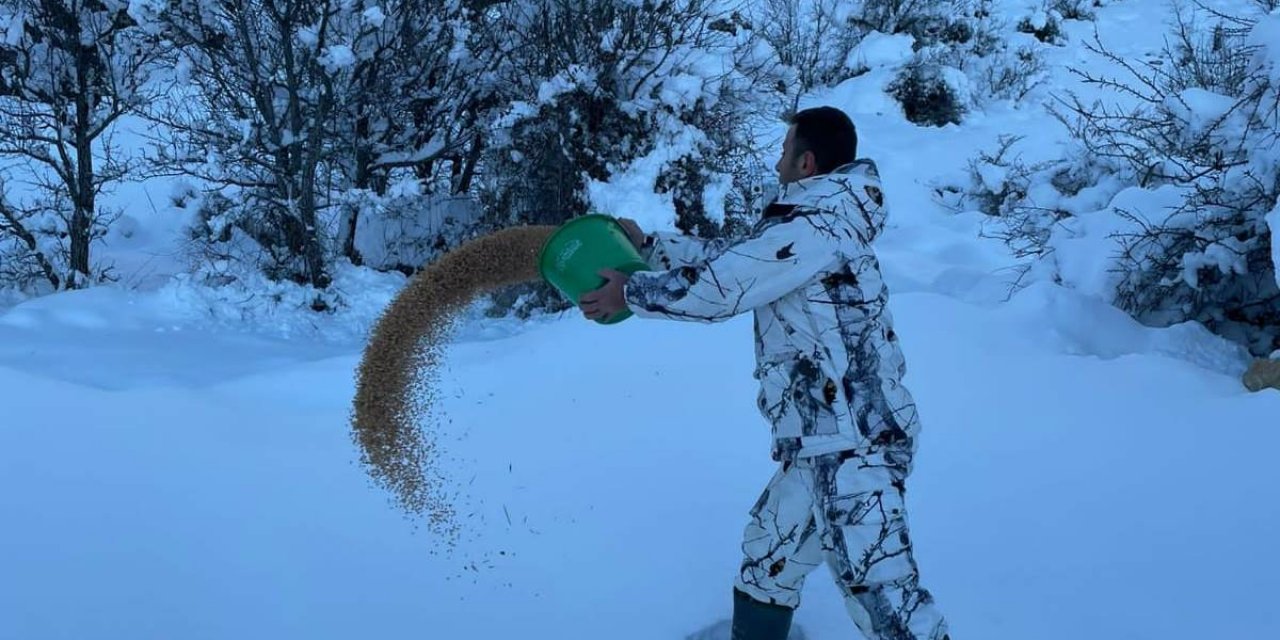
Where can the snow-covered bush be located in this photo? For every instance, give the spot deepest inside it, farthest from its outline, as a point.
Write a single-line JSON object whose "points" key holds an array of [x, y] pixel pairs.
{"points": [[931, 93], [538, 163], [1001, 62], [1044, 25], [419, 95], [224, 231], [811, 39], [752, 186], [404, 229], [1020, 197], [965, 60], [614, 105], [1076, 9], [265, 139], [610, 99], [1213, 59], [1011, 75], [916, 17], [1200, 135], [946, 36], [814, 41]]}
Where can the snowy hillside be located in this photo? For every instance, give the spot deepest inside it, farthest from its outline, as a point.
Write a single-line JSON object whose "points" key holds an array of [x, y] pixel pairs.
{"points": [[176, 466]]}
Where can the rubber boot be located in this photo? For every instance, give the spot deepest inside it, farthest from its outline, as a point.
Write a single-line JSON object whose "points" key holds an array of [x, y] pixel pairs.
{"points": [[755, 620]]}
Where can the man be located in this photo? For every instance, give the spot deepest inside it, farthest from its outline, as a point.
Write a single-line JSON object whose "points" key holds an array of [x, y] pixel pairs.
{"points": [[829, 367]]}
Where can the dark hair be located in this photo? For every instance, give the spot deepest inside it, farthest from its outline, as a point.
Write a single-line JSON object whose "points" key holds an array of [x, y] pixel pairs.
{"points": [[829, 134]]}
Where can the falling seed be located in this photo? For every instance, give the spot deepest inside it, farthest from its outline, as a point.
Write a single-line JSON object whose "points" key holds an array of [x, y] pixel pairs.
{"points": [[396, 401]]}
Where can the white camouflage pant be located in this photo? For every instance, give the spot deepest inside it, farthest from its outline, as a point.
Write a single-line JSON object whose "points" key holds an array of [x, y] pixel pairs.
{"points": [[846, 510]]}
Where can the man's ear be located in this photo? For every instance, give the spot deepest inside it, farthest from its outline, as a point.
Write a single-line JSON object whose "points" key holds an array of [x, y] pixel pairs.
{"points": [[808, 164]]}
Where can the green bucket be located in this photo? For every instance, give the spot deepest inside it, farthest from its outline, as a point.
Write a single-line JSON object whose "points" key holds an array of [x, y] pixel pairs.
{"points": [[579, 249]]}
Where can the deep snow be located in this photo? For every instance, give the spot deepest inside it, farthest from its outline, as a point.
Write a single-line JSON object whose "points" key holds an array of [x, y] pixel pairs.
{"points": [[1059, 493], [168, 473]]}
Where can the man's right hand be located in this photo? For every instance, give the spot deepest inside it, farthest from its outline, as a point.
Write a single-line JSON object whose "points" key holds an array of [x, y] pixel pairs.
{"points": [[633, 232]]}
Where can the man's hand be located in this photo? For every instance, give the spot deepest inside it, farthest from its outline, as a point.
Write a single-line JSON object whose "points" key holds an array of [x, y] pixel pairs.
{"points": [[634, 232], [607, 300]]}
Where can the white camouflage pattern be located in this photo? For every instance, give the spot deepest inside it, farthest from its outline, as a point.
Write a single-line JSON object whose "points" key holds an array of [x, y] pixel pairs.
{"points": [[828, 361], [849, 513], [830, 372]]}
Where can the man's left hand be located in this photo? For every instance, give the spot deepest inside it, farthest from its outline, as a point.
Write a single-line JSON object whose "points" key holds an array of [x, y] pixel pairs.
{"points": [[607, 300]]}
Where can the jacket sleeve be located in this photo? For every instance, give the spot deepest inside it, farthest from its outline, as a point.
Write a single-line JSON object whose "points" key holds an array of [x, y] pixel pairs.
{"points": [[675, 250], [771, 262]]}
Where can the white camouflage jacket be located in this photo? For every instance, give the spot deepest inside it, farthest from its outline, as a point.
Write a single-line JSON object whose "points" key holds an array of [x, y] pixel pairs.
{"points": [[828, 362]]}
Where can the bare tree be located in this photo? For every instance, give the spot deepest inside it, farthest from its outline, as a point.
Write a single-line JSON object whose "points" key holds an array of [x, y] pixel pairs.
{"points": [[300, 100], [253, 115], [69, 71]]}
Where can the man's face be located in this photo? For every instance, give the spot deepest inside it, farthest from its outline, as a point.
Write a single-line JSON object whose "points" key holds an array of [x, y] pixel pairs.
{"points": [[792, 166]]}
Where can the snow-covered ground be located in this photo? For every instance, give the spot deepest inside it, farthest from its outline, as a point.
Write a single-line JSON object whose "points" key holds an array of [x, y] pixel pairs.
{"points": [[165, 475]]}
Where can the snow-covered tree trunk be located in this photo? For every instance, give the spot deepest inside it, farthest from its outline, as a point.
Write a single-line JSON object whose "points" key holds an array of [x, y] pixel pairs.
{"points": [[82, 191]]}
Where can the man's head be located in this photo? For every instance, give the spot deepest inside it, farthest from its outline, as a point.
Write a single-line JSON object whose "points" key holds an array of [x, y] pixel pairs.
{"points": [[818, 141]]}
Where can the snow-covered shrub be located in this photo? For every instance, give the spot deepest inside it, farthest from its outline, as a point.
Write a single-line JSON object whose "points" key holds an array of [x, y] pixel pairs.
{"points": [[1001, 63], [225, 231], [238, 296], [1213, 59], [1027, 201], [815, 40], [959, 60], [402, 231], [604, 115], [1199, 134], [916, 17], [1076, 9], [239, 139], [224, 278], [753, 185], [811, 39], [972, 29], [1010, 75], [1020, 197], [590, 115], [931, 93], [1045, 25], [414, 104], [993, 62]]}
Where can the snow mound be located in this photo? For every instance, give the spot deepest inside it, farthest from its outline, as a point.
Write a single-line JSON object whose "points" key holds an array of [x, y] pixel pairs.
{"points": [[881, 50]]}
